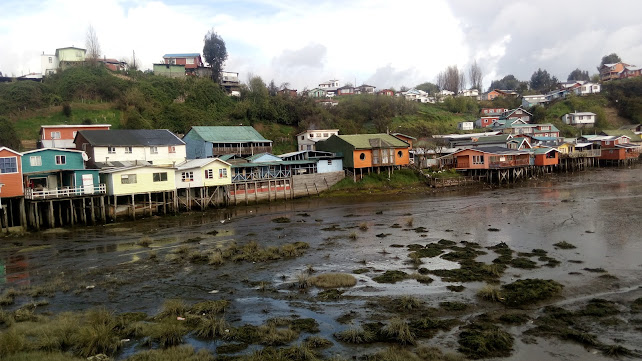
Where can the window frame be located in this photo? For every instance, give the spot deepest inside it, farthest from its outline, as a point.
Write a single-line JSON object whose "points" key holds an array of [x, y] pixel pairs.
{"points": [[111, 150], [159, 177], [209, 173], [187, 177], [5, 160], [35, 161], [222, 173], [55, 135], [61, 159], [130, 178], [153, 149]]}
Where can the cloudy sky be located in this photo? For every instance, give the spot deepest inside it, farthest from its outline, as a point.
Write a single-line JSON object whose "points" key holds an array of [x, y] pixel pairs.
{"points": [[304, 42]]}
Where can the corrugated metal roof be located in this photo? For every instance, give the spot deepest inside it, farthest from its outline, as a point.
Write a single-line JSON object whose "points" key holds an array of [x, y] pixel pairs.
{"points": [[369, 141], [198, 163], [131, 137], [284, 162], [234, 133], [180, 55]]}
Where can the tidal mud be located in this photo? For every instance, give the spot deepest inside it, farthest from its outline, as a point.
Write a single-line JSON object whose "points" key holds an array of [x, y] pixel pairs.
{"points": [[544, 270]]}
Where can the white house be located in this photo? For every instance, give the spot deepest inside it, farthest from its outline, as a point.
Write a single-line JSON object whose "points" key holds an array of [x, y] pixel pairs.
{"points": [[207, 172], [332, 83], [579, 118], [533, 100], [130, 147], [588, 88], [465, 125], [307, 140], [469, 93], [445, 93]]}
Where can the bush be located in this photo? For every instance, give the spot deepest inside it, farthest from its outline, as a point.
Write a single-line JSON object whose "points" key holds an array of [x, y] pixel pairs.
{"points": [[333, 280], [66, 110]]}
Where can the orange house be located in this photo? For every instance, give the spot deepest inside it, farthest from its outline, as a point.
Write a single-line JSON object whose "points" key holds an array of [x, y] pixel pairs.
{"points": [[10, 173], [62, 136], [406, 138], [612, 71], [368, 150], [546, 156], [490, 158]]}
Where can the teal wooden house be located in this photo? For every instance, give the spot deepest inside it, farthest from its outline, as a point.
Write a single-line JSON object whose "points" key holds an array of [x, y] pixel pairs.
{"points": [[55, 173]]}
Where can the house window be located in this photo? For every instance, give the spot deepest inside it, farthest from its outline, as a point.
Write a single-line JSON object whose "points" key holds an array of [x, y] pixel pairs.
{"points": [[8, 165], [160, 177], [61, 159], [171, 149], [84, 147], [111, 150], [55, 135], [607, 143], [311, 135], [187, 176], [222, 173], [153, 150], [74, 134], [35, 161], [329, 161], [128, 179], [302, 137], [478, 159], [400, 154], [189, 61], [325, 135], [50, 60], [362, 156], [128, 150], [209, 174]]}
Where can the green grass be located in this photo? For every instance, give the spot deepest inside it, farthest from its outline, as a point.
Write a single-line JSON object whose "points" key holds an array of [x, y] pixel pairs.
{"points": [[430, 119], [398, 180], [28, 128]]}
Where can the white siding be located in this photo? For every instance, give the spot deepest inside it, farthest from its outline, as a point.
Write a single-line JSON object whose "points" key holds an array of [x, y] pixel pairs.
{"points": [[323, 165], [101, 154]]}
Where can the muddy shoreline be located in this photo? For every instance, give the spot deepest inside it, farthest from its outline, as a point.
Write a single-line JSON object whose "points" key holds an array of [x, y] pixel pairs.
{"points": [[137, 266]]}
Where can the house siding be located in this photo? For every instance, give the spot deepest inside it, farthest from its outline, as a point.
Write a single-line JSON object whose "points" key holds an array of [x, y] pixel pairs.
{"points": [[73, 161], [144, 181], [13, 186], [199, 176], [323, 165]]}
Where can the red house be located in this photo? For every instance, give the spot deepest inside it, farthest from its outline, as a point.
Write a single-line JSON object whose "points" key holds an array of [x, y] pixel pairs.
{"points": [[387, 92], [192, 61], [546, 156], [62, 136], [490, 158], [10, 173], [287, 92], [485, 122]]}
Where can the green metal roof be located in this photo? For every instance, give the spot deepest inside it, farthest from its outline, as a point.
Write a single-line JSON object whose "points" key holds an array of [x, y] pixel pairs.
{"points": [[234, 133], [369, 141], [493, 139], [621, 132], [285, 162], [542, 150]]}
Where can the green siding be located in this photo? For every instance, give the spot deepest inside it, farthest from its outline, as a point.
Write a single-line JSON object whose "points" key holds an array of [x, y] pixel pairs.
{"points": [[337, 145], [73, 160]]}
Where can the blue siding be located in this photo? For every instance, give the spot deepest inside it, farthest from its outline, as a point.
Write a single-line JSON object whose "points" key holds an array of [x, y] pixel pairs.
{"points": [[196, 147], [324, 167]]}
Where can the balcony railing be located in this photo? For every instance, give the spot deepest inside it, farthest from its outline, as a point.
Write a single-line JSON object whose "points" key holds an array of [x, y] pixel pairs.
{"points": [[582, 154], [257, 176], [510, 163], [65, 192], [240, 150]]}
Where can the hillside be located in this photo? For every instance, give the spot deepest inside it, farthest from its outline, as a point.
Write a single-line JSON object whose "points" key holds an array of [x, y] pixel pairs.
{"points": [[140, 100]]}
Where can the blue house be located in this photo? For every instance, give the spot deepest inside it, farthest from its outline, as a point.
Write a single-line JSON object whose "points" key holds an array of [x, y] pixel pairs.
{"points": [[55, 173], [216, 141]]}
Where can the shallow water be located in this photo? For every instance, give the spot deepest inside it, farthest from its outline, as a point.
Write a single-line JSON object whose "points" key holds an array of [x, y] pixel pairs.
{"points": [[597, 211]]}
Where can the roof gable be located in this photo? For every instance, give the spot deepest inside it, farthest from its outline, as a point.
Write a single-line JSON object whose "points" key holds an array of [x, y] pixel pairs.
{"points": [[10, 150], [369, 141]]}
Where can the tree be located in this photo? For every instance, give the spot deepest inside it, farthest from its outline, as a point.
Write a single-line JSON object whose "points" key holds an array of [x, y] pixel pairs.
{"points": [[8, 136], [475, 76], [92, 45], [451, 79], [509, 82], [404, 88], [610, 59], [272, 88], [215, 53], [428, 87], [578, 74], [542, 81]]}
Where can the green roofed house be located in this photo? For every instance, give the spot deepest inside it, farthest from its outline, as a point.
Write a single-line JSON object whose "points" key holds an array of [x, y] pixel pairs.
{"points": [[368, 151], [215, 141]]}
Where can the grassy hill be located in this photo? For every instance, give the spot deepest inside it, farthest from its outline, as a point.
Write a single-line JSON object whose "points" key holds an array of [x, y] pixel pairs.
{"points": [[137, 100]]}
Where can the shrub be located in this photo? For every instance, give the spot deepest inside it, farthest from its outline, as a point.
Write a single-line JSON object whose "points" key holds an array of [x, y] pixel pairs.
{"points": [[355, 335], [66, 110], [333, 280], [399, 331], [529, 291]]}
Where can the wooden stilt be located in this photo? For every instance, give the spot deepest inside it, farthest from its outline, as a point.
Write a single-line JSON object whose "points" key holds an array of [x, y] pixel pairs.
{"points": [[103, 214], [133, 207]]}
